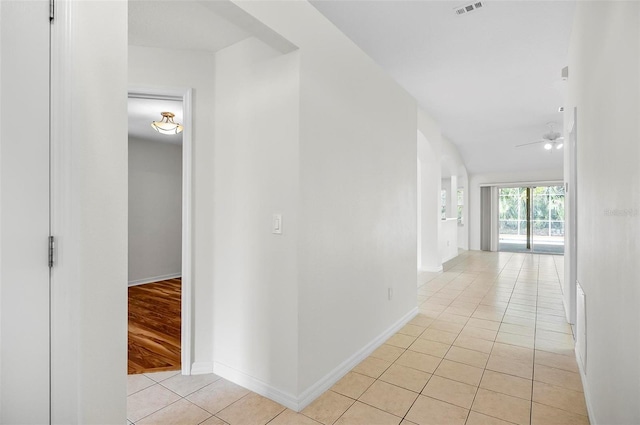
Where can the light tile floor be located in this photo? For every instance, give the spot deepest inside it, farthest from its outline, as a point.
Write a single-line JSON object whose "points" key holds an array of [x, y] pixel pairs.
{"points": [[489, 346]]}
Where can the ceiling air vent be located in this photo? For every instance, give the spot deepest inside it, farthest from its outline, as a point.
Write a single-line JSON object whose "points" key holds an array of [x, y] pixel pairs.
{"points": [[461, 10]]}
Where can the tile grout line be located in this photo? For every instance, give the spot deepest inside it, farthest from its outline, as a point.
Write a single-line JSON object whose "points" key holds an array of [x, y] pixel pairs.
{"points": [[535, 331], [461, 293], [485, 366], [404, 417], [370, 385], [163, 407]]}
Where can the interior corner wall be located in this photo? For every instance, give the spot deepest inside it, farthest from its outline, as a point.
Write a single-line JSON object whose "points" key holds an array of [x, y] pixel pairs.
{"points": [[357, 193], [256, 175], [604, 85], [478, 180], [155, 210], [148, 67]]}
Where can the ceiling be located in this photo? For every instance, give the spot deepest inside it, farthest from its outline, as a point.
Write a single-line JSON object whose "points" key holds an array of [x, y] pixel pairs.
{"points": [[205, 26], [176, 24], [173, 24], [491, 77], [142, 112]]}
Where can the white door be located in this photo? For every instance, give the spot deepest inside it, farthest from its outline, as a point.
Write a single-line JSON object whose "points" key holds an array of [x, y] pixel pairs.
{"points": [[24, 212]]}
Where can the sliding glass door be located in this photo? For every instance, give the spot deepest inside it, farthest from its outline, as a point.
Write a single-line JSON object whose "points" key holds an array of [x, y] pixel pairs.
{"points": [[513, 219], [531, 219], [548, 219]]}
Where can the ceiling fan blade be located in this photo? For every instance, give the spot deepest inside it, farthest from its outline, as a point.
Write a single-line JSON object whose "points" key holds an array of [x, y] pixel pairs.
{"points": [[532, 143]]}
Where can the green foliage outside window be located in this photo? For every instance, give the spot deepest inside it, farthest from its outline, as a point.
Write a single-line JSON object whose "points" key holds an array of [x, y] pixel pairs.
{"points": [[547, 206]]}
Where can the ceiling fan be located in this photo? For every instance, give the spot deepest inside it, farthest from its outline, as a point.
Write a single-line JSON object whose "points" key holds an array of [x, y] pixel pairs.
{"points": [[551, 140]]}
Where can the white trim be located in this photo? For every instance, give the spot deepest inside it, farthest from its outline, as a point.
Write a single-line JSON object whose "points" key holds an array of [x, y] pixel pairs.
{"points": [[185, 95], [447, 259], [431, 269], [187, 230], [571, 223], [154, 279], [315, 390], [201, 368], [524, 183], [65, 285], [585, 387], [256, 385], [323, 384]]}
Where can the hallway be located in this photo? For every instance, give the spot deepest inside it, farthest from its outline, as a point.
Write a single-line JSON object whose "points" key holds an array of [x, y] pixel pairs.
{"points": [[489, 346]]}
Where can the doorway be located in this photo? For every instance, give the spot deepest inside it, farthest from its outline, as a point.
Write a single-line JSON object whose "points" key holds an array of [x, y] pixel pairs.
{"points": [[159, 233], [531, 219]]}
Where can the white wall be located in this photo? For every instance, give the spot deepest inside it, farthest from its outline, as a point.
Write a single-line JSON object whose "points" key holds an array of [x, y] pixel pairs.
{"points": [[448, 228], [429, 145], [448, 239], [358, 203], [89, 213], [439, 157], [357, 192], [148, 67], [478, 180], [604, 84], [451, 156], [255, 174], [155, 210], [445, 184]]}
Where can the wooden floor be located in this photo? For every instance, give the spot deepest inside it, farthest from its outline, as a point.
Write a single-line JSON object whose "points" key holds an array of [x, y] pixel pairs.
{"points": [[154, 327]]}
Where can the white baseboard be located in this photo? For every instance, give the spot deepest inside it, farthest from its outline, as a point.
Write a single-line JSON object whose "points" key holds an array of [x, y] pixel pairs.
{"points": [[255, 385], [323, 384], [201, 368], [453, 257], [154, 279], [315, 390], [585, 387], [431, 269]]}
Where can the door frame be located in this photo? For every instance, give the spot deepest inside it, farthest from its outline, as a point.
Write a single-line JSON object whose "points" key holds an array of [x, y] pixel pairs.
{"points": [[571, 191], [183, 95]]}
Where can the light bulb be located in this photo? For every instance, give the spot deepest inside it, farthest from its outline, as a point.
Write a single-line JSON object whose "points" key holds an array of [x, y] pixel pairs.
{"points": [[559, 146], [547, 146]]}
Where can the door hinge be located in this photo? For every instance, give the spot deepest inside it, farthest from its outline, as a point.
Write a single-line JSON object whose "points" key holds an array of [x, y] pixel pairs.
{"points": [[51, 10], [52, 246]]}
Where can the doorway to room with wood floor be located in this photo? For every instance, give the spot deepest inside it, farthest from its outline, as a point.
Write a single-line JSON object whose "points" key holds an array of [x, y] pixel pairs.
{"points": [[157, 231]]}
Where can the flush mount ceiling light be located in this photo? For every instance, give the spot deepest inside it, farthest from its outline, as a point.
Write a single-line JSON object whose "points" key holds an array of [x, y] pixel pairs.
{"points": [[166, 124]]}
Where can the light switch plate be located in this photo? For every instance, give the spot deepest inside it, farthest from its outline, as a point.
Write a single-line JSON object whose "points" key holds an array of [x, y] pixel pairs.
{"points": [[276, 224]]}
